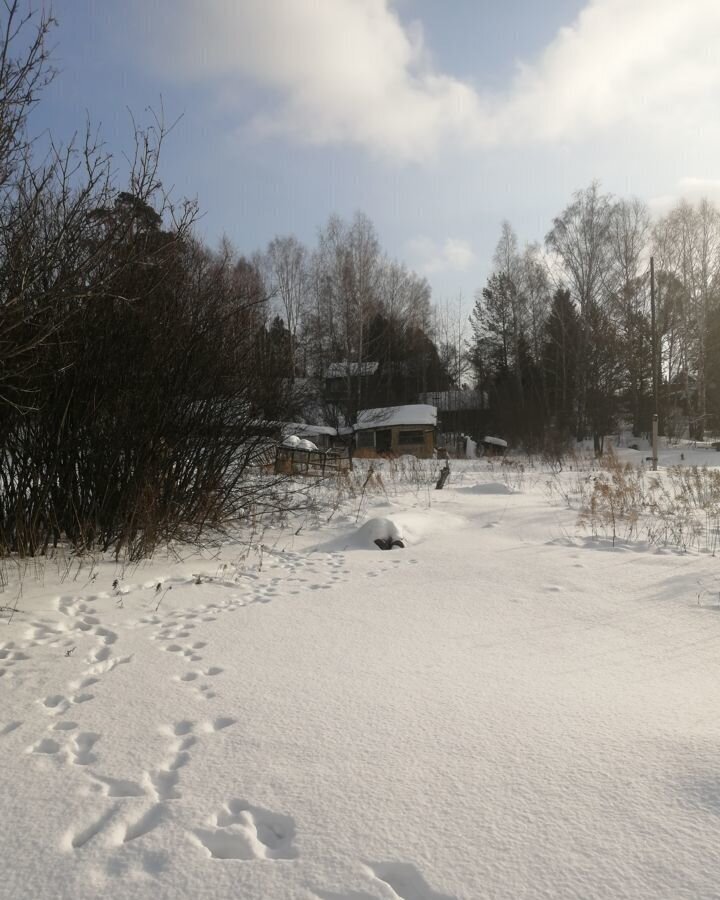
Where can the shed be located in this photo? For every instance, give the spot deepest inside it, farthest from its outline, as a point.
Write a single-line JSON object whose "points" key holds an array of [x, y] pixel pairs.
{"points": [[493, 446], [395, 430], [299, 456]]}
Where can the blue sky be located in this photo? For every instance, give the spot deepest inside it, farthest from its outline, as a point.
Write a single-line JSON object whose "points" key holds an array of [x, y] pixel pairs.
{"points": [[437, 118]]}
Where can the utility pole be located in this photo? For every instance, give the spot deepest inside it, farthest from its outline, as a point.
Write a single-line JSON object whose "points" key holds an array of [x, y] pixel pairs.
{"points": [[654, 367]]}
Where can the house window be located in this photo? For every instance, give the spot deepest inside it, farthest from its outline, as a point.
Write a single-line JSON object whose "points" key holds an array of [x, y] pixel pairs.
{"points": [[366, 439], [383, 440], [406, 438]]}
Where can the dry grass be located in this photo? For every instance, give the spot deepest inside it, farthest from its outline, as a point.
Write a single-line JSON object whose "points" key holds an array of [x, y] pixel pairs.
{"points": [[678, 507]]}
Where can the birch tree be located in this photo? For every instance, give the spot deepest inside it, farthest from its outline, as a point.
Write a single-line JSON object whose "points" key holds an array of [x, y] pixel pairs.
{"points": [[580, 242]]}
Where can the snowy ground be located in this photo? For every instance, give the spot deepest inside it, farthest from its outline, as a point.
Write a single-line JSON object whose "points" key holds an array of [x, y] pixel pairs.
{"points": [[504, 709]]}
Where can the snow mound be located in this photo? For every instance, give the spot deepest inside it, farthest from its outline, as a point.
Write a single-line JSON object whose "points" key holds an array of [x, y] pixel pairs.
{"points": [[297, 443], [380, 531], [411, 527], [364, 538], [492, 487]]}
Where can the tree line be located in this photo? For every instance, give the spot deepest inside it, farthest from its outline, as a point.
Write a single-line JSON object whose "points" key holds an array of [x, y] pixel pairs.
{"points": [[562, 340]]}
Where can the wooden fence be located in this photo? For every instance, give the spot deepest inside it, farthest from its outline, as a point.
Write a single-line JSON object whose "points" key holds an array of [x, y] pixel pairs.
{"points": [[316, 463]]}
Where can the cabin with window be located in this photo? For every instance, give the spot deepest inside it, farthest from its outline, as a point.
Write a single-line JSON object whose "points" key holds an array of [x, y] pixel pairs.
{"points": [[396, 430]]}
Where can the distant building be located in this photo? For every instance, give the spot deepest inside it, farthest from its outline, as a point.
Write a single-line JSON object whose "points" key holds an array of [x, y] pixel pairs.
{"points": [[396, 430], [361, 378], [352, 369], [463, 412], [493, 446]]}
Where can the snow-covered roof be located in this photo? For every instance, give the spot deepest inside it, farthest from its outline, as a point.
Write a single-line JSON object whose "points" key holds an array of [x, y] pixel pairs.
{"points": [[343, 369], [304, 428], [293, 442], [498, 442], [389, 416]]}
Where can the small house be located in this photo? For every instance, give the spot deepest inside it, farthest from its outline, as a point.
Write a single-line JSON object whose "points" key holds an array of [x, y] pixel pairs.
{"points": [[396, 430], [493, 446]]}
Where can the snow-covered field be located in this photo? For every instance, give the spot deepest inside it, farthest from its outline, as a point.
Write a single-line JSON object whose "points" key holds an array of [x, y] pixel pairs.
{"points": [[506, 708]]}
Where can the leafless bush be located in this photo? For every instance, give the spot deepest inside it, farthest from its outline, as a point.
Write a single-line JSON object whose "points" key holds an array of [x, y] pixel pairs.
{"points": [[615, 502], [514, 473], [679, 507], [134, 379]]}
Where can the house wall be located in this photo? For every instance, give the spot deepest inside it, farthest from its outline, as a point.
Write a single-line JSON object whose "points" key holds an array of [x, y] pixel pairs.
{"points": [[493, 450], [423, 449]]}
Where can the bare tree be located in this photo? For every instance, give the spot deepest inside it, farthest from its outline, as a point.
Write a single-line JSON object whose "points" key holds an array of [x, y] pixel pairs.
{"points": [[286, 265], [344, 289], [451, 333], [628, 299], [580, 242], [24, 71], [687, 242]]}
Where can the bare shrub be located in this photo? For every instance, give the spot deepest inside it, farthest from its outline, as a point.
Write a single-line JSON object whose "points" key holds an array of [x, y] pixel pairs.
{"points": [[136, 379], [615, 501], [679, 507]]}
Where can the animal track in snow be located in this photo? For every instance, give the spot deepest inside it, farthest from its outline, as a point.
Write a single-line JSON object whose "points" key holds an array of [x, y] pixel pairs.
{"points": [[13, 655], [80, 748], [78, 839], [119, 787], [242, 831], [83, 683], [107, 665], [218, 724], [81, 698], [161, 782], [191, 677], [64, 726], [101, 654], [77, 750], [73, 606], [46, 746], [108, 637], [56, 704], [164, 780], [185, 726], [405, 881], [147, 822], [9, 727], [164, 783], [188, 652]]}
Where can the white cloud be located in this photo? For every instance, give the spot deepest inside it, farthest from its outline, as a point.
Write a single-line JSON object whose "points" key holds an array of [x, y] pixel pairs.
{"points": [[340, 70], [350, 71], [692, 189], [636, 64], [450, 255]]}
